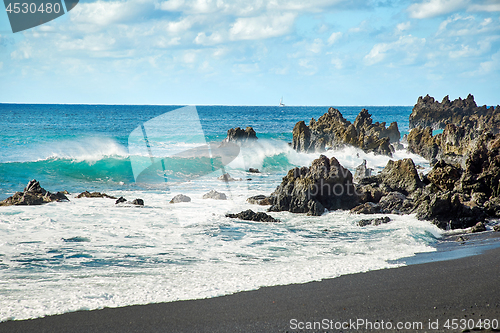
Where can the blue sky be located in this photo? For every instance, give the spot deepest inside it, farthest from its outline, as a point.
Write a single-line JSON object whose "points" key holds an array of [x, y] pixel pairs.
{"points": [[252, 52]]}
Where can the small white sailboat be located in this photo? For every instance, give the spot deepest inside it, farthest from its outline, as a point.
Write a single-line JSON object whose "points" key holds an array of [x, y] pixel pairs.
{"points": [[281, 101]]}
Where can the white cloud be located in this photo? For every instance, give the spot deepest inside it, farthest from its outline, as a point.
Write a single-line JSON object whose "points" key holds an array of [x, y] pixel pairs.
{"points": [[488, 66], [431, 8], [404, 50], [203, 39], [262, 27], [334, 37], [103, 13], [481, 47], [337, 63], [489, 6], [458, 25], [403, 26]]}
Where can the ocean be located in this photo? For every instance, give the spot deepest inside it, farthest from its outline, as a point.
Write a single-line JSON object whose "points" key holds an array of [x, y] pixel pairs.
{"points": [[90, 253]]}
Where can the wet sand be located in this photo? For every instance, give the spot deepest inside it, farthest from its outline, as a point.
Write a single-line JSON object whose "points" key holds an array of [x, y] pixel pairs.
{"points": [[433, 292]]}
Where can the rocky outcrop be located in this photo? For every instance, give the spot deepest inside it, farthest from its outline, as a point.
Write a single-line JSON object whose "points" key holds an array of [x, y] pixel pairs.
{"points": [[238, 135], [250, 215], [325, 184], [136, 202], [332, 130], [180, 198], [401, 176], [33, 194], [87, 194], [463, 123], [260, 200], [253, 170], [214, 195], [462, 112]]}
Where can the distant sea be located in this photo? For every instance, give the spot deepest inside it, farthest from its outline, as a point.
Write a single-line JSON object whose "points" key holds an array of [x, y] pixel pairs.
{"points": [[90, 253]]}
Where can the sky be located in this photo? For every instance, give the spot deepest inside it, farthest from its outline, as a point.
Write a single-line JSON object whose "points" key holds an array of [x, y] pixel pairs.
{"points": [[253, 52]]}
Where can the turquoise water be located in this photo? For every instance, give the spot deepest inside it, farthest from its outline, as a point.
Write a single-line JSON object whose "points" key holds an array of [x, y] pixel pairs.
{"points": [[90, 253]]}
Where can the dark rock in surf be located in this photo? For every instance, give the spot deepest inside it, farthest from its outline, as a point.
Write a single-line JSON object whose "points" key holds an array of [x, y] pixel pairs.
{"points": [[120, 200], [366, 208], [214, 195], [238, 135], [250, 215], [138, 202], [376, 221], [33, 194], [401, 176], [180, 198], [325, 184], [87, 194], [252, 170]]}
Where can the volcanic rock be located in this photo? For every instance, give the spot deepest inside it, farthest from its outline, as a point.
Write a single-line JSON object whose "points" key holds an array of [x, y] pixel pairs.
{"points": [[401, 176], [250, 215], [333, 130], [462, 112], [87, 194], [239, 135], [376, 221], [366, 208], [479, 227], [362, 172], [33, 194], [253, 170], [325, 184], [227, 178]]}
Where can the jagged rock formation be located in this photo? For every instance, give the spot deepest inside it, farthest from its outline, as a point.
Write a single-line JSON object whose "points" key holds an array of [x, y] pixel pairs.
{"points": [[377, 221], [239, 135], [250, 215], [326, 184], [33, 194], [332, 130], [461, 112], [362, 172]]}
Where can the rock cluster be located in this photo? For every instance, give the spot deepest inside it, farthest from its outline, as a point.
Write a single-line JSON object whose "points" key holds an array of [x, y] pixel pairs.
{"points": [[33, 194], [260, 200], [136, 202], [463, 123], [250, 215], [462, 112], [326, 184], [451, 196], [239, 135], [332, 130]]}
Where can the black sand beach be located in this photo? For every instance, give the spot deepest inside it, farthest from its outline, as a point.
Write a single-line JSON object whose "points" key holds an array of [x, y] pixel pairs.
{"points": [[434, 292]]}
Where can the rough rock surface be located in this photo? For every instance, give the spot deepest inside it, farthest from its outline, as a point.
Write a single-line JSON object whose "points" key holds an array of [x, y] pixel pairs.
{"points": [[87, 194], [401, 176], [250, 215], [137, 202], [332, 130], [214, 195], [180, 198], [239, 135], [462, 112], [33, 194], [325, 184]]}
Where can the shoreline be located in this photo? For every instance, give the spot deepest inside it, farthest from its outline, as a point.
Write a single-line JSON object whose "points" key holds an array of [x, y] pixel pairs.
{"points": [[459, 282]]}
